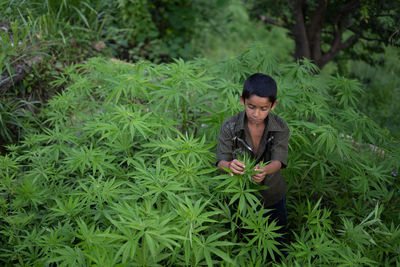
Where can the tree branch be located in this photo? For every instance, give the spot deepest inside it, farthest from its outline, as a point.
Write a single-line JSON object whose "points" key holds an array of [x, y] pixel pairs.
{"points": [[269, 20], [391, 38], [336, 49]]}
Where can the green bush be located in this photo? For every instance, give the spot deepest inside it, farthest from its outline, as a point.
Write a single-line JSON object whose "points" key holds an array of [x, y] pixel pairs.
{"points": [[120, 171], [382, 87]]}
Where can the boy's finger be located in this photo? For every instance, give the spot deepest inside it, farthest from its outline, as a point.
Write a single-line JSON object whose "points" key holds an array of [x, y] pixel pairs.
{"points": [[237, 167], [238, 163], [237, 171]]}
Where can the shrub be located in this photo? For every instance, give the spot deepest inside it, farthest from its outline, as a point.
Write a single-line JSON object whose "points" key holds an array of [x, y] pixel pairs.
{"points": [[120, 171]]}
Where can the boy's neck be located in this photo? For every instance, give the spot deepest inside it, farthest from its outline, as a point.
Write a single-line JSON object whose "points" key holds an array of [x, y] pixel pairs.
{"points": [[256, 125]]}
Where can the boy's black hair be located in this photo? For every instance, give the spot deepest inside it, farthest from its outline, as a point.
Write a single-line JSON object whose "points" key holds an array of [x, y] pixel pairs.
{"points": [[261, 85]]}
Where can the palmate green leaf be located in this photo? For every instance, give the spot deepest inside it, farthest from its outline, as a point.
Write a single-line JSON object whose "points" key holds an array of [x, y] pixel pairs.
{"points": [[288, 98], [155, 230], [98, 245], [58, 236], [67, 208], [233, 68], [182, 92], [318, 168], [188, 172], [160, 183], [363, 129], [183, 146], [89, 158], [99, 190], [226, 86], [68, 256], [102, 256], [128, 250], [8, 168], [211, 245], [317, 219], [356, 237], [185, 75], [137, 85], [133, 121], [299, 73], [82, 85], [262, 233], [106, 130], [310, 248], [347, 90], [169, 97], [265, 61], [170, 189], [30, 192], [57, 141], [127, 239], [326, 138], [349, 258], [193, 216]]}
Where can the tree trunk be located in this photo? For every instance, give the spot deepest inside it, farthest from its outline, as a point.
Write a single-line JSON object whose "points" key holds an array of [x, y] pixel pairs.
{"points": [[302, 48], [307, 37]]}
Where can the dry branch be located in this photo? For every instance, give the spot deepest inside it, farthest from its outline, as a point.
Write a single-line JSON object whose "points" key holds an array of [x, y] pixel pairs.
{"points": [[20, 71]]}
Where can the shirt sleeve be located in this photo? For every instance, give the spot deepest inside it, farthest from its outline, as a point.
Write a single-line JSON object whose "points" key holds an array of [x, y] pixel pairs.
{"points": [[279, 148], [224, 147]]}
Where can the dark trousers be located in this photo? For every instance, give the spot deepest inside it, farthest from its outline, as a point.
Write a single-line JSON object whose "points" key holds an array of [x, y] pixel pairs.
{"points": [[278, 212]]}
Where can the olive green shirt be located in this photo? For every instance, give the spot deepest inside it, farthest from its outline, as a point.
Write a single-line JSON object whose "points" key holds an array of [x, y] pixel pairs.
{"points": [[234, 138]]}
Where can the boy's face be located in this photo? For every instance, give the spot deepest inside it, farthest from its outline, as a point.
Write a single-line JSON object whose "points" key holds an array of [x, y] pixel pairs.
{"points": [[257, 108]]}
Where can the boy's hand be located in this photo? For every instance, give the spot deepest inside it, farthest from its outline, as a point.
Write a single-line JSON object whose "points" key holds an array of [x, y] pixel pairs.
{"points": [[260, 176], [270, 168], [236, 167]]}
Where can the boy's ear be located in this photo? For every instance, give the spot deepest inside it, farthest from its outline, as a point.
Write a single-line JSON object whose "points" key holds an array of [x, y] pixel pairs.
{"points": [[242, 100], [274, 105]]}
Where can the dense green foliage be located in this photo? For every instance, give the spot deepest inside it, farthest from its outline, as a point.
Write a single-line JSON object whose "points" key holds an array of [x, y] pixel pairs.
{"points": [[118, 169], [51, 35], [322, 29], [382, 88], [72, 30]]}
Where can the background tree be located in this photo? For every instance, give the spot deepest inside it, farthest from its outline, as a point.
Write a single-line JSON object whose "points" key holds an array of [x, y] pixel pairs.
{"points": [[323, 28]]}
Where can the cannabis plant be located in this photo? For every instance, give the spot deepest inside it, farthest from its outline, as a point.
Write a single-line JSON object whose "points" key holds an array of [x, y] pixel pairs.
{"points": [[120, 170]]}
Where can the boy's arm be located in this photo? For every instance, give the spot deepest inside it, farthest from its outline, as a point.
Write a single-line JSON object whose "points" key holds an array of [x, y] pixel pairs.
{"points": [[279, 153], [224, 152], [270, 168], [279, 147]]}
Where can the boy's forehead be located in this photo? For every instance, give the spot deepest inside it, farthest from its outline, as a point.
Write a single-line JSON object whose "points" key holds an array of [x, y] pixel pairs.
{"points": [[259, 100]]}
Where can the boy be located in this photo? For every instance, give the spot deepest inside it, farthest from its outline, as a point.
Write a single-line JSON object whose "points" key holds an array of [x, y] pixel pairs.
{"points": [[264, 136]]}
